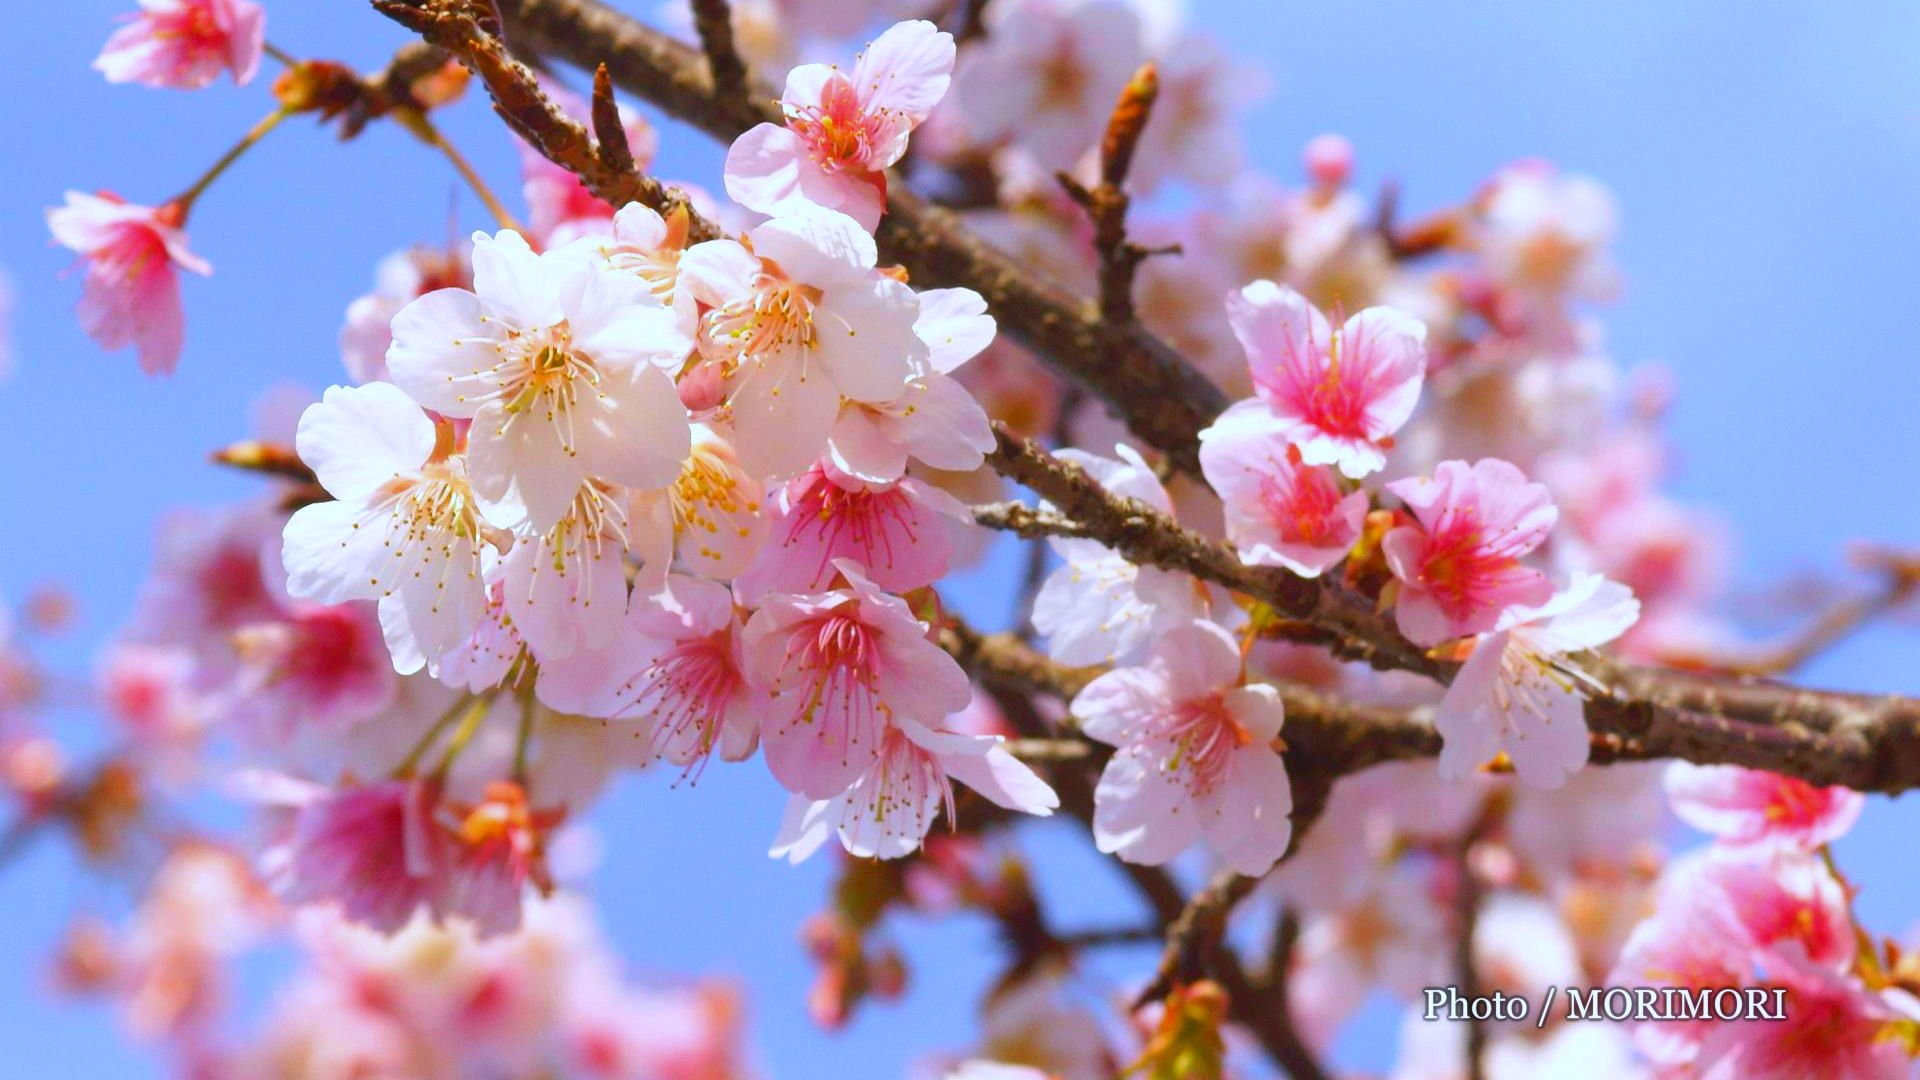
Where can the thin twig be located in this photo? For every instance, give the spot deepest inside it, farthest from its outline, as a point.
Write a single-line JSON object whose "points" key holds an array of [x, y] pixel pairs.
{"points": [[1107, 202]]}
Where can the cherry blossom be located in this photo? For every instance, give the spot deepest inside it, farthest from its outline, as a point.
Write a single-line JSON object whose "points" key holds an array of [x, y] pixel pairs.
{"points": [[132, 295], [1459, 570], [1195, 758], [1280, 512], [843, 130], [1744, 806], [1100, 608], [886, 812], [566, 588], [1517, 695], [562, 366], [1833, 1028], [1046, 74], [934, 420], [648, 246], [370, 848], [897, 533], [712, 519], [1339, 395], [324, 666], [185, 44], [797, 324], [401, 277], [1545, 232], [403, 529], [840, 668], [676, 667]]}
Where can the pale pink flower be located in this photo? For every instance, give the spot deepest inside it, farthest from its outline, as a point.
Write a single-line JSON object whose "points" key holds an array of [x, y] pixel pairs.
{"points": [[711, 521], [994, 1070], [1098, 607], [402, 528], [1279, 511], [148, 691], [207, 578], [934, 420], [1544, 234], [132, 296], [318, 665], [1688, 945], [1195, 758], [898, 533], [676, 667], [185, 44], [648, 246], [1517, 695], [484, 659], [797, 324], [843, 130], [563, 367], [1834, 1029], [402, 277], [1339, 395], [1744, 806], [1460, 569], [1046, 74], [566, 587], [839, 667], [886, 812]]}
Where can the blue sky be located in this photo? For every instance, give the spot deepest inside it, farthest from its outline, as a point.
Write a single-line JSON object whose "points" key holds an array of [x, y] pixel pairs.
{"points": [[1764, 155]]}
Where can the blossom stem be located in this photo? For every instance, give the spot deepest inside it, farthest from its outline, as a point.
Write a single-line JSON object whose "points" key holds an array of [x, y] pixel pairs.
{"points": [[1867, 962], [476, 711], [425, 130], [258, 131], [433, 733], [280, 54], [524, 736]]}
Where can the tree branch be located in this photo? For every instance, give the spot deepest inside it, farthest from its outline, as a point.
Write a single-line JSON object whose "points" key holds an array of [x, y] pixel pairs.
{"points": [[462, 28], [1869, 743], [1107, 202], [713, 20]]}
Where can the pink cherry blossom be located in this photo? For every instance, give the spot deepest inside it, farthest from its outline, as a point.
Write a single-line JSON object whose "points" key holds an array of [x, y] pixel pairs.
{"points": [[185, 44], [370, 848], [934, 420], [132, 295], [1279, 511], [402, 277], [1744, 806], [1834, 1028], [843, 130], [1515, 695], [839, 667], [676, 667], [648, 246], [148, 690], [1195, 759], [1460, 569], [403, 527], [562, 366], [1046, 74], [1545, 233], [898, 533], [797, 324], [712, 520], [207, 579], [566, 587], [1339, 395], [1688, 944], [1098, 607], [1783, 902], [319, 665], [886, 812]]}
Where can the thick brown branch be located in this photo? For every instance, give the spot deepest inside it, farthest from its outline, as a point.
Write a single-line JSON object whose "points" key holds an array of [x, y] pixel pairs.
{"points": [[1859, 741], [713, 21], [1162, 399]]}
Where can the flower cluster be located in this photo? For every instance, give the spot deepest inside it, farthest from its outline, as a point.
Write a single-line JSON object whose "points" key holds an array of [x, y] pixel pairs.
{"points": [[618, 488]]}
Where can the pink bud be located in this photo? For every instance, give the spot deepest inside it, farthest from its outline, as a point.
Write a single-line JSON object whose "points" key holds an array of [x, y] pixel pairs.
{"points": [[702, 388], [1329, 160]]}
